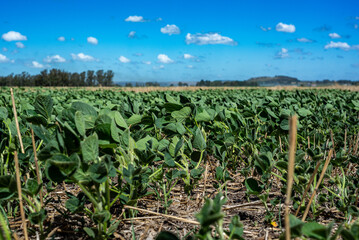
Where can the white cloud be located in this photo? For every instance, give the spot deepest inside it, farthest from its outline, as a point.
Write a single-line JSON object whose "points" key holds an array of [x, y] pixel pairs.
{"points": [[282, 27], [132, 34], [163, 58], [3, 58], [334, 35], [304, 40], [283, 53], [82, 57], [159, 19], [13, 36], [355, 26], [265, 29], [190, 66], [92, 40], [4, 49], [55, 58], [187, 56], [340, 45], [61, 39], [134, 19], [170, 29], [147, 62], [357, 18], [355, 47], [19, 45], [208, 38], [124, 59], [36, 65]]}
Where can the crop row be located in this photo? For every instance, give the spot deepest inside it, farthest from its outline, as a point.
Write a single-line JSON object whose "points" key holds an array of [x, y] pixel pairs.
{"points": [[118, 147]]}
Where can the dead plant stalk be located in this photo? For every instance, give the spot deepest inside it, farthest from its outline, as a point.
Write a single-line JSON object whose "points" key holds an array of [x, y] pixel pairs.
{"points": [[318, 184], [292, 150]]}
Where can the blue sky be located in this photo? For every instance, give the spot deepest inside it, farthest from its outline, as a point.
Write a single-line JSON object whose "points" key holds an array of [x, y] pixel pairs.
{"points": [[183, 40]]}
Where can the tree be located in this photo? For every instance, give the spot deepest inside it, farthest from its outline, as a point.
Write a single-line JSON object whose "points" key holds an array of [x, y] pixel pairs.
{"points": [[100, 77], [108, 78], [90, 81], [82, 79]]}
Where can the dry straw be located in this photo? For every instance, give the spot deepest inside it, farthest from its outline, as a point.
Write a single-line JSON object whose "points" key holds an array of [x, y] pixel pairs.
{"points": [[163, 215], [16, 120], [292, 150], [318, 184], [308, 186], [18, 183]]}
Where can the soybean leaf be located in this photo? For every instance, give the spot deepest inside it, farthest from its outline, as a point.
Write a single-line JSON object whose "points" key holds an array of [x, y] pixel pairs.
{"points": [[119, 120], [43, 105], [182, 114], [80, 123], [166, 236], [89, 148], [37, 217], [198, 141]]}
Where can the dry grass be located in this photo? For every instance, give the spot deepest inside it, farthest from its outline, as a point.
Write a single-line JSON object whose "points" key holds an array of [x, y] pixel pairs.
{"points": [[194, 88]]}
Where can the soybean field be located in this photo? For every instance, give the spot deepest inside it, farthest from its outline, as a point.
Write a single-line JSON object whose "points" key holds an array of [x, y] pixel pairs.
{"points": [[202, 164]]}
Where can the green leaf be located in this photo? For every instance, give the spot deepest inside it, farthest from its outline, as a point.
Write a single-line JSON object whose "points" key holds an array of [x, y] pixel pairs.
{"points": [[252, 186], [170, 99], [98, 172], [202, 116], [113, 228], [90, 232], [296, 227], [37, 217], [3, 113], [163, 144], [284, 124], [304, 112], [169, 160], [134, 119], [170, 107], [166, 236], [236, 228], [270, 112], [85, 108], [80, 123], [178, 146], [37, 120], [315, 230], [43, 105], [196, 173], [182, 114], [53, 173], [31, 187], [141, 144], [101, 217], [119, 120], [75, 204], [65, 164], [198, 141], [89, 148], [7, 187], [115, 132]]}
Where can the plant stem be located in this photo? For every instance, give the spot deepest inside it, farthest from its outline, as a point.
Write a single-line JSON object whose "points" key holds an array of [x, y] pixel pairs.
{"points": [[88, 194]]}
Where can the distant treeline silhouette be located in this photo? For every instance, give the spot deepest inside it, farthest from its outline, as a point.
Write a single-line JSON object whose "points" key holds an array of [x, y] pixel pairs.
{"points": [[57, 77]]}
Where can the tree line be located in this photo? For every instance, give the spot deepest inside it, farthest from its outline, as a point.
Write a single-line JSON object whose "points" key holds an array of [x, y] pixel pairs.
{"points": [[219, 83], [57, 77]]}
